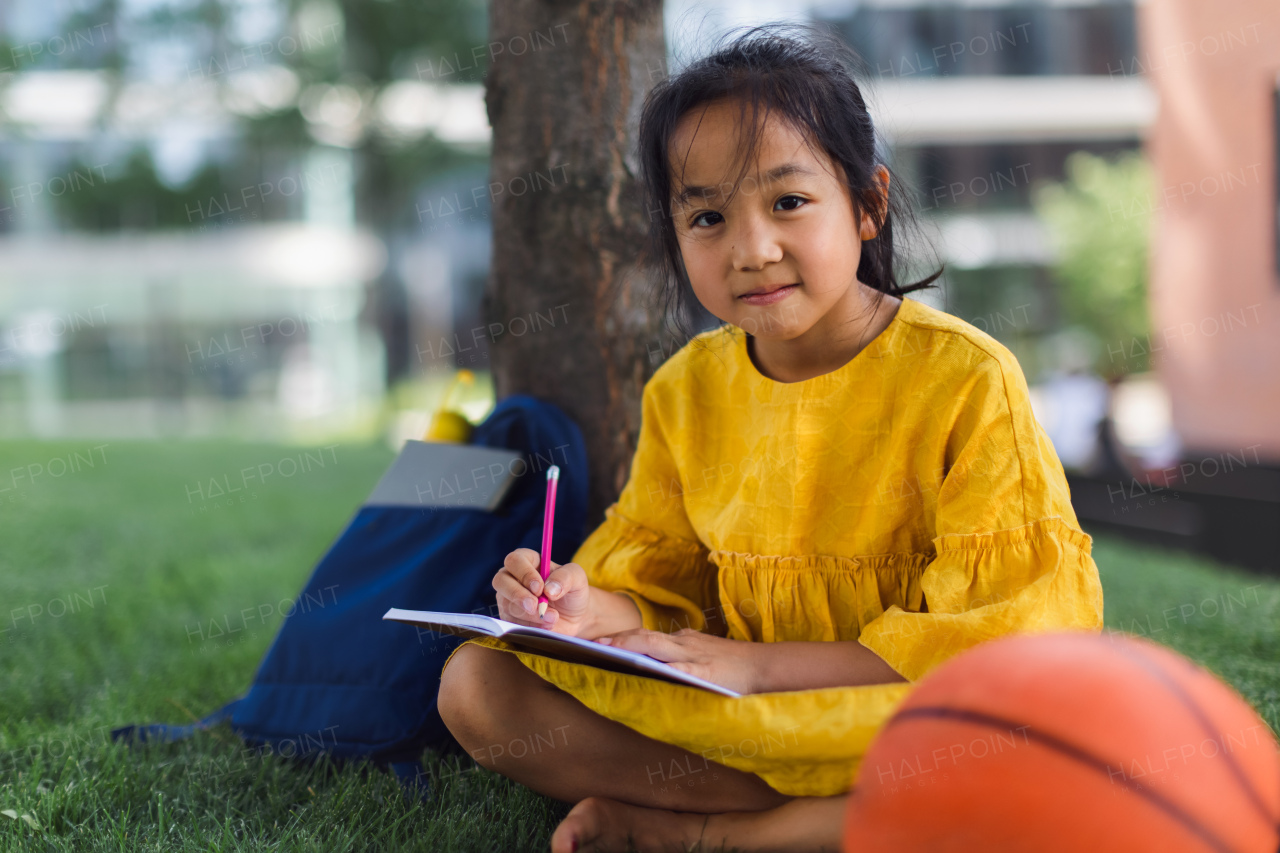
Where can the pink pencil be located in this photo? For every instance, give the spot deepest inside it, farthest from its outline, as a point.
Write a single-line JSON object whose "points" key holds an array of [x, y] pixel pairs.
{"points": [[548, 519]]}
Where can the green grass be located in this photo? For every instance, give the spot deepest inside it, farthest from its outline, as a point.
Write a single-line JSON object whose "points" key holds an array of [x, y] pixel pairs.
{"points": [[127, 544]]}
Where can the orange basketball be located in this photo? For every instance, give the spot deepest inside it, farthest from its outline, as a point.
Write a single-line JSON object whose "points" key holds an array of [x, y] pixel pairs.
{"points": [[1069, 742]]}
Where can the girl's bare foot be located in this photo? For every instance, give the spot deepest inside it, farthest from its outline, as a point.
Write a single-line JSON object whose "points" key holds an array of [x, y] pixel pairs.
{"points": [[608, 826], [802, 824]]}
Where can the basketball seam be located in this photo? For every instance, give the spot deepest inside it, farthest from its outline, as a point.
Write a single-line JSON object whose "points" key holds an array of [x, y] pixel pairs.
{"points": [[1203, 719], [1071, 751]]}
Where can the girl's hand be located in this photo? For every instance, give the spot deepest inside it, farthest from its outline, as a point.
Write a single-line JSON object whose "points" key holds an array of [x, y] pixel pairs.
{"points": [[519, 584], [728, 663]]}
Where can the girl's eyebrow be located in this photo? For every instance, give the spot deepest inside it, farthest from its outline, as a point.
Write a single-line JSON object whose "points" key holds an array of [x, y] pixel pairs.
{"points": [[774, 174]]}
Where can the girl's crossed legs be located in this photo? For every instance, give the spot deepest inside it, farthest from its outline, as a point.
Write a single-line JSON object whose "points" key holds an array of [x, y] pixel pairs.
{"points": [[625, 785]]}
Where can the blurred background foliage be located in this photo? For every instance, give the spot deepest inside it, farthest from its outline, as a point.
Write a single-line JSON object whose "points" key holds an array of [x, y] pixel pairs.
{"points": [[1100, 222], [351, 46]]}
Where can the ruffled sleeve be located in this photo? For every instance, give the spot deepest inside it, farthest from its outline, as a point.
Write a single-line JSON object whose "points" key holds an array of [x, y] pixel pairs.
{"points": [[646, 547], [1009, 554]]}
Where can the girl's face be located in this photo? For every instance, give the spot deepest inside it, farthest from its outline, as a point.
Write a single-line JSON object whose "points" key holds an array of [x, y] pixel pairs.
{"points": [[789, 231]]}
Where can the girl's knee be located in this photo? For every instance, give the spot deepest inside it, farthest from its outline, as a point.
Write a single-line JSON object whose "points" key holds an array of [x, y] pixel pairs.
{"points": [[473, 687], [459, 687]]}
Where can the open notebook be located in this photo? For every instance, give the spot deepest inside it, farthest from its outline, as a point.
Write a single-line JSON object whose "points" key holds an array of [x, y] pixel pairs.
{"points": [[553, 645]]}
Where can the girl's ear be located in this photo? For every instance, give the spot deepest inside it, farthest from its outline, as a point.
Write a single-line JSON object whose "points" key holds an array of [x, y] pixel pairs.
{"points": [[880, 199]]}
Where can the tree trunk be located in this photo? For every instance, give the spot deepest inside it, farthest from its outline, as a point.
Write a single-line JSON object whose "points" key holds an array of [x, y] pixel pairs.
{"points": [[569, 313]]}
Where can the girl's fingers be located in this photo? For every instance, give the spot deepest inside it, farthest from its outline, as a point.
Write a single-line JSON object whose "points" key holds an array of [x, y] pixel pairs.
{"points": [[525, 566], [531, 621], [630, 632], [521, 559], [565, 579], [509, 587], [525, 606], [655, 644]]}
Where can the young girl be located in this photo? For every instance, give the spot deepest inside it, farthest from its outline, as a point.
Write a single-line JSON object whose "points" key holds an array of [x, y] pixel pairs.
{"points": [[832, 493]]}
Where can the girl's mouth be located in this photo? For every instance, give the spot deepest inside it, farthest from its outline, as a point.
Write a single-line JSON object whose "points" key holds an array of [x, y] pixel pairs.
{"points": [[771, 297]]}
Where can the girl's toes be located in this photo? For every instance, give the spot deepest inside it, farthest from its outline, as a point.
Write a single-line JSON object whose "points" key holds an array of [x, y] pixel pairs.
{"points": [[601, 825], [581, 827]]}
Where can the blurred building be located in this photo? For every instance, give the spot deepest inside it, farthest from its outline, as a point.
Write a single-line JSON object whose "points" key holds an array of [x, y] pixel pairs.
{"points": [[241, 331], [1215, 271], [169, 267]]}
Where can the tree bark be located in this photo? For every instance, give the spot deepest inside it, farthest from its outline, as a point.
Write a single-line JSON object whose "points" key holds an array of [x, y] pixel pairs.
{"points": [[571, 316]]}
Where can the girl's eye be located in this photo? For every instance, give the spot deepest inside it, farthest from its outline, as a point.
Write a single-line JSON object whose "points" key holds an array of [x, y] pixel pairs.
{"points": [[697, 220]]}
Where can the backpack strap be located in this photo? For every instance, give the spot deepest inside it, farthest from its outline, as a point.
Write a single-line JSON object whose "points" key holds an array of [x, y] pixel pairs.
{"points": [[413, 779], [162, 733]]}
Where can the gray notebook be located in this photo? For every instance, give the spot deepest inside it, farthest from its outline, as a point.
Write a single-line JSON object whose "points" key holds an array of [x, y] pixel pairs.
{"points": [[443, 474]]}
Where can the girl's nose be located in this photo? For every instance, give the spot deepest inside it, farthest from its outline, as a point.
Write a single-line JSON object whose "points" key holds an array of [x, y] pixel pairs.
{"points": [[753, 246]]}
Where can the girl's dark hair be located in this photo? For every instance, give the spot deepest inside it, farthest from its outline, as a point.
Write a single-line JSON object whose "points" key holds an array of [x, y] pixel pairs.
{"points": [[808, 76]]}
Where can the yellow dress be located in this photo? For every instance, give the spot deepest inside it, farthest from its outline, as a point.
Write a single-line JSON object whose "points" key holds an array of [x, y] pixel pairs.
{"points": [[908, 500]]}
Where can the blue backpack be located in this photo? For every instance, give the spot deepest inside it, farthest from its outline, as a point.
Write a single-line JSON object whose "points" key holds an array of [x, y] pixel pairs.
{"points": [[340, 681]]}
